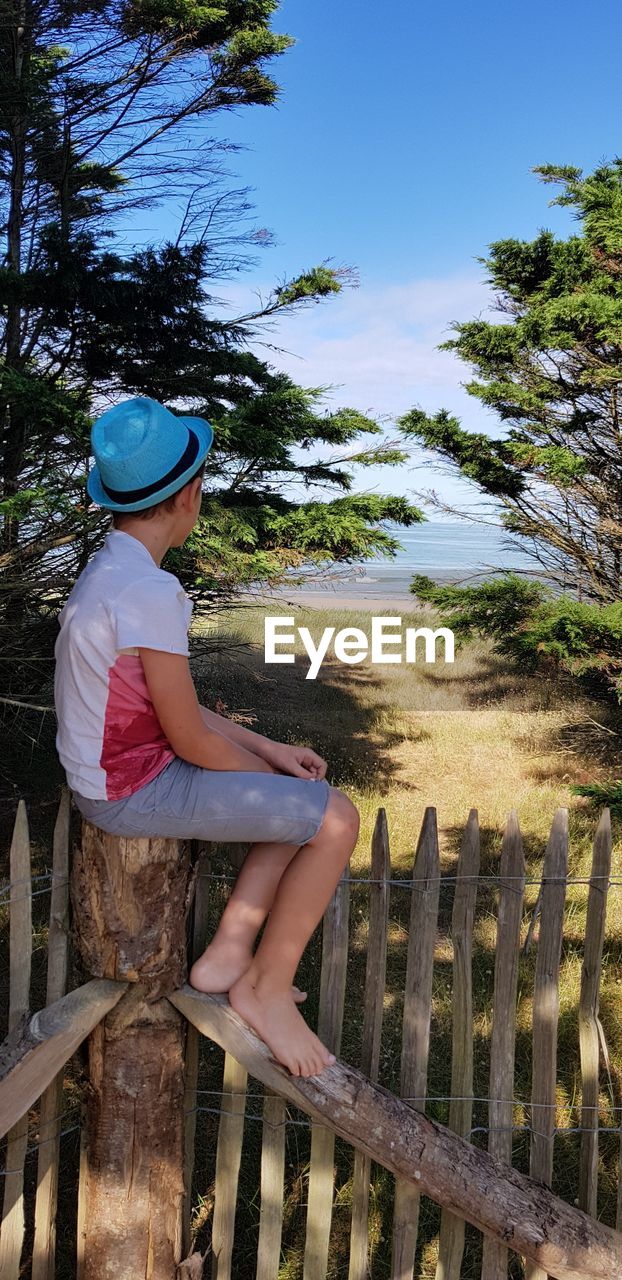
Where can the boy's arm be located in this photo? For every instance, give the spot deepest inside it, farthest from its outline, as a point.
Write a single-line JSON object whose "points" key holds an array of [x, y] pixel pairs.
{"points": [[172, 692], [285, 757], [255, 742]]}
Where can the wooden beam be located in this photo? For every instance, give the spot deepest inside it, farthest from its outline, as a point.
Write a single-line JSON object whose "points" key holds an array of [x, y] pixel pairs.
{"points": [[452, 1231], [503, 1037], [36, 1050], [375, 983], [498, 1200]]}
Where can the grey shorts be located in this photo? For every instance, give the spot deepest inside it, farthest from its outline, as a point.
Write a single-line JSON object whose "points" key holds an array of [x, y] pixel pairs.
{"points": [[188, 802]]}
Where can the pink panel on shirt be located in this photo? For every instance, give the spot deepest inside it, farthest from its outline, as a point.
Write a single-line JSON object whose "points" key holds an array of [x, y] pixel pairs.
{"points": [[134, 748]]}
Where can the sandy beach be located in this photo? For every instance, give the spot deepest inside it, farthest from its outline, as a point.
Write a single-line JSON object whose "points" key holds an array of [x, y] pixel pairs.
{"points": [[387, 605]]}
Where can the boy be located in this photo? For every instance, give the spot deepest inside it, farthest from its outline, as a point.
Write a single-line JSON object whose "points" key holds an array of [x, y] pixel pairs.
{"points": [[142, 757]]}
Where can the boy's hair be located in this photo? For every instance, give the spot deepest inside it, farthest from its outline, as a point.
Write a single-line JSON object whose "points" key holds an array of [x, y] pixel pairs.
{"points": [[166, 504]]}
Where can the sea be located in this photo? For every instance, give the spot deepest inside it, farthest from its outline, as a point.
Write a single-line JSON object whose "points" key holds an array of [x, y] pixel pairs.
{"points": [[447, 552]]}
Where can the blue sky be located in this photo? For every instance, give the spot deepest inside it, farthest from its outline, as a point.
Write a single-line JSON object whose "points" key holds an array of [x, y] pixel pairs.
{"points": [[402, 145], [405, 134]]}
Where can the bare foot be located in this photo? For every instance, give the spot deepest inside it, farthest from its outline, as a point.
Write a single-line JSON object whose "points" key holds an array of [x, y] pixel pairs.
{"points": [[273, 1015], [221, 965]]}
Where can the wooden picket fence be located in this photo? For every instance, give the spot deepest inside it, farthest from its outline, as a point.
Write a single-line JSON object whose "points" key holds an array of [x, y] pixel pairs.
{"points": [[401, 1237]]}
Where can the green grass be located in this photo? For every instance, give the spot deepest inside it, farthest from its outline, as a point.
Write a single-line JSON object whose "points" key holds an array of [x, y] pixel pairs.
{"points": [[475, 734]]}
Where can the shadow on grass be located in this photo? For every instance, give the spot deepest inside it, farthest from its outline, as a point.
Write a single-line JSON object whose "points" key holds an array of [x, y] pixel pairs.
{"points": [[496, 680], [327, 713], [589, 741]]}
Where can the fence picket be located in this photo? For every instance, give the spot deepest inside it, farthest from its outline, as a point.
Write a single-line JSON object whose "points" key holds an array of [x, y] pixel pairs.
{"points": [[588, 1013], [20, 959], [83, 1169], [272, 1183], [502, 1045], [330, 1019], [198, 942], [546, 1010], [44, 1243], [375, 975], [416, 1027], [228, 1157], [451, 1239]]}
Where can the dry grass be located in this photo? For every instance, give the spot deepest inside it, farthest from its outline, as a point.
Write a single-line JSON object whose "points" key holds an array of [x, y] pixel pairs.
{"points": [[408, 736], [474, 734]]}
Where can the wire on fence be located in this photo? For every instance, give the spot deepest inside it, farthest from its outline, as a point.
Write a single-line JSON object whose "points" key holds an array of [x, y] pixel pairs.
{"points": [[407, 883], [307, 1122], [612, 882], [4, 1173], [45, 875], [404, 883], [450, 1097], [510, 1128]]}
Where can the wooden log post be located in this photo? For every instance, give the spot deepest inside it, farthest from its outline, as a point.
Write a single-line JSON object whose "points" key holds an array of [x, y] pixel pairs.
{"points": [[329, 1027], [130, 899]]}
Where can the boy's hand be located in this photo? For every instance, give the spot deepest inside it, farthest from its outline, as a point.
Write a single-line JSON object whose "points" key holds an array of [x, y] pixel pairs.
{"points": [[302, 762]]}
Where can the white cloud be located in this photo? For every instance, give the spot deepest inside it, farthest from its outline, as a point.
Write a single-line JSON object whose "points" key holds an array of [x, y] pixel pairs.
{"points": [[377, 346]]}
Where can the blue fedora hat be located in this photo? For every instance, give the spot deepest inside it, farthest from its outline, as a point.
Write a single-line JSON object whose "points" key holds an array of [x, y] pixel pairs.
{"points": [[144, 453]]}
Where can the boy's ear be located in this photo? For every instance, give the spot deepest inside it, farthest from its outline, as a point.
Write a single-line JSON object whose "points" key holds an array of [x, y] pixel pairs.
{"points": [[197, 484], [187, 494]]}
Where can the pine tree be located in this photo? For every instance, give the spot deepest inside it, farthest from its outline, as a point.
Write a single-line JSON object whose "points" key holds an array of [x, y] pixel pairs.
{"points": [[105, 108], [551, 369]]}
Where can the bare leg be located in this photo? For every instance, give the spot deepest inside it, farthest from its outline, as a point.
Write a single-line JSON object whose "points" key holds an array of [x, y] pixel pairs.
{"points": [[230, 952], [262, 995]]}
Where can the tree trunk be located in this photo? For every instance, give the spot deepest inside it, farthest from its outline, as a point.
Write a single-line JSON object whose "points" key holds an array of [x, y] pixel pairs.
{"points": [[130, 898]]}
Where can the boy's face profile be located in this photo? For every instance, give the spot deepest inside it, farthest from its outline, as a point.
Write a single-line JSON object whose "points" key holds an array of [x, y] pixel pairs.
{"points": [[180, 521], [172, 524]]}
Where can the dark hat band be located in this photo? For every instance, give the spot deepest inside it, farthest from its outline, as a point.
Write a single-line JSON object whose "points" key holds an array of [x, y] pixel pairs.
{"points": [[136, 495]]}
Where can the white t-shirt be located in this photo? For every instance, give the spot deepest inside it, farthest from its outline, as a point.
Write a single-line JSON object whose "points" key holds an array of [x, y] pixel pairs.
{"points": [[109, 739]]}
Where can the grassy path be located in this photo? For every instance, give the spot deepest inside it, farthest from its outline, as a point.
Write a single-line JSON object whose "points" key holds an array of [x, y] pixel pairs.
{"points": [[408, 736]]}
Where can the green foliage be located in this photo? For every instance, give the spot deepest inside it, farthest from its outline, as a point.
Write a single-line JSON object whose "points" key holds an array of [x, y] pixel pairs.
{"points": [[609, 795], [498, 608], [551, 462], [486, 461], [530, 625], [235, 34], [244, 537], [314, 284]]}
